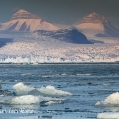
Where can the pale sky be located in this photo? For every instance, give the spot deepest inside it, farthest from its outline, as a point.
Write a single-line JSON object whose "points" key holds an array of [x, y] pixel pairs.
{"points": [[65, 12]]}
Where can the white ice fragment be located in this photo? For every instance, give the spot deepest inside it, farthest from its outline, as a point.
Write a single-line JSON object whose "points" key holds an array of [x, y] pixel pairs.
{"points": [[44, 91], [29, 100], [24, 100], [22, 89], [52, 91], [112, 100], [53, 102], [108, 115]]}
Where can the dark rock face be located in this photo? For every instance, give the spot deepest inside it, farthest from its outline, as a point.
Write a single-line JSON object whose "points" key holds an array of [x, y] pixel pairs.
{"points": [[23, 27], [2, 44], [68, 35], [28, 29], [22, 14], [111, 30], [12, 27]]}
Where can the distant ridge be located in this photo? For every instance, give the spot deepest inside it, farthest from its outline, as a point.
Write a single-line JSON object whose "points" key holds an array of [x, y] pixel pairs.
{"points": [[71, 35], [26, 21], [95, 25]]}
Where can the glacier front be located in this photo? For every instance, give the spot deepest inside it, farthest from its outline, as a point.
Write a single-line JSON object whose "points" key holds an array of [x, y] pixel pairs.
{"points": [[32, 48]]}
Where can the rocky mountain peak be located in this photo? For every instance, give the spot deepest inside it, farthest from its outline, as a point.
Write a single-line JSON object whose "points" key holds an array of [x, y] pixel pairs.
{"points": [[95, 18], [93, 14], [22, 11], [97, 25], [23, 14], [24, 21]]}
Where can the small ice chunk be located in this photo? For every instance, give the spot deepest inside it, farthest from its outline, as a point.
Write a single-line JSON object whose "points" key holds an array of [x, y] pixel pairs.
{"points": [[53, 102], [28, 100], [24, 100], [108, 115], [112, 100], [22, 89], [52, 91], [44, 91]]}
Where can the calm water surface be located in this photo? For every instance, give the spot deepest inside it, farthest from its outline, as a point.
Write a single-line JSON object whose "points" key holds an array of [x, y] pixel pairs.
{"points": [[88, 83]]}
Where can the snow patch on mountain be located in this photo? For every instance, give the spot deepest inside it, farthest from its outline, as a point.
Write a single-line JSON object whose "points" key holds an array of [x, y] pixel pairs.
{"points": [[23, 14]]}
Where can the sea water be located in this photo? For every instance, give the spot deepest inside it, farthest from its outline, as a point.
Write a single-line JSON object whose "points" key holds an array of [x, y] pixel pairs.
{"points": [[60, 91]]}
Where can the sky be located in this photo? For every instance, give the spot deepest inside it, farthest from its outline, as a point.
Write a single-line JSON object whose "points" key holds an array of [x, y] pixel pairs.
{"points": [[65, 12]]}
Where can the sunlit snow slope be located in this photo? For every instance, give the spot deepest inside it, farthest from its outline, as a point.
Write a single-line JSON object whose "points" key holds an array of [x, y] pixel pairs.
{"points": [[25, 21], [32, 48], [95, 25]]}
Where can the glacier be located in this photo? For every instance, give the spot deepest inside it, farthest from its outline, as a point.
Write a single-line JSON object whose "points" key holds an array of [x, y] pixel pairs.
{"points": [[32, 48]]}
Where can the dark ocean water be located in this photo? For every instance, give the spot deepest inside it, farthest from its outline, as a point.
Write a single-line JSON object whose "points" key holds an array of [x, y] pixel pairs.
{"points": [[88, 83]]}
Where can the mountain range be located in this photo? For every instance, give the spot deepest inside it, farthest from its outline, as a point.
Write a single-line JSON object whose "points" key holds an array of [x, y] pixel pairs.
{"points": [[24, 21], [43, 42], [95, 25]]}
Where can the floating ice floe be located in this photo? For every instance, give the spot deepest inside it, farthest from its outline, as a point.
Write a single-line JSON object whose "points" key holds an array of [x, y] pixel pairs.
{"points": [[112, 100], [105, 84], [22, 89], [108, 115], [29, 100], [25, 99], [83, 74], [53, 92], [28, 95], [44, 91]]}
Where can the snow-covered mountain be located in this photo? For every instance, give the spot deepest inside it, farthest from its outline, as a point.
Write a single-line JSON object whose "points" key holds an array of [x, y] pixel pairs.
{"points": [[71, 35], [26, 21], [95, 25], [56, 45]]}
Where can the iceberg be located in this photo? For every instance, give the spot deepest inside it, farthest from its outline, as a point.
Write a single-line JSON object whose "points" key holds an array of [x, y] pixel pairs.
{"points": [[22, 89], [53, 92], [24, 100], [50, 91], [29, 100], [111, 100]]}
